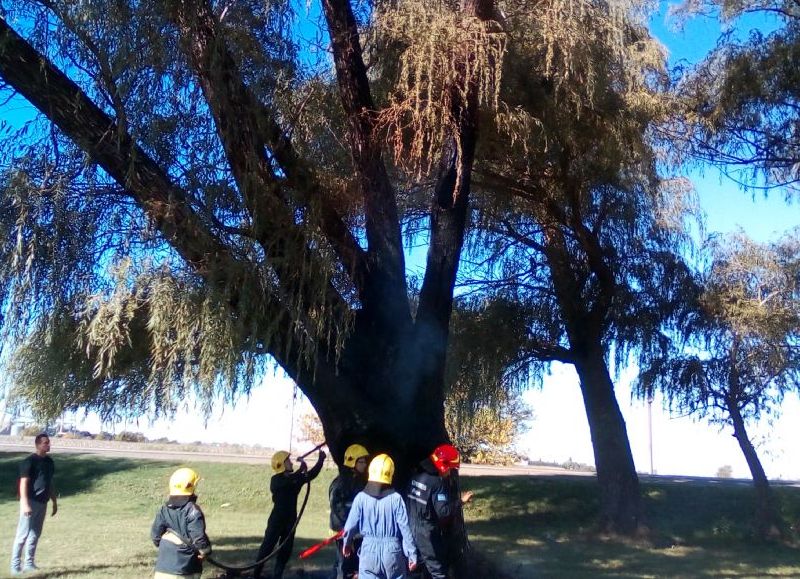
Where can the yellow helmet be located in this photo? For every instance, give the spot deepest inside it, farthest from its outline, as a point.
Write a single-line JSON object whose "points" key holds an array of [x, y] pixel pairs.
{"points": [[353, 453], [183, 482], [277, 461], [381, 469]]}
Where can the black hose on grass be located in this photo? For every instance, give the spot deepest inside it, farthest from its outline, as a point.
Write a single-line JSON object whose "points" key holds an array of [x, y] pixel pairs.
{"points": [[237, 570]]}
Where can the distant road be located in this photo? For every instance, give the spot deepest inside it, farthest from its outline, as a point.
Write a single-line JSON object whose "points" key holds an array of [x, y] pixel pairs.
{"points": [[136, 450], [139, 450], [131, 450]]}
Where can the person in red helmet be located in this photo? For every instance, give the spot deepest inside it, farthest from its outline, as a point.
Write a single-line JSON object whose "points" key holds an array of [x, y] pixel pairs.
{"points": [[434, 504]]}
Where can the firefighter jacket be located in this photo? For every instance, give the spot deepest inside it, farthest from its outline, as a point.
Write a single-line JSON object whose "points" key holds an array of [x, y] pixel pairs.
{"points": [[434, 504], [285, 488], [433, 501], [379, 514], [179, 532], [341, 493]]}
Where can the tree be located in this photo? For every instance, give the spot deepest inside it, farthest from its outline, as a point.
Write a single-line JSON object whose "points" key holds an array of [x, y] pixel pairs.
{"points": [[169, 223], [742, 102], [725, 471], [580, 242], [195, 198], [740, 356], [310, 427], [488, 436]]}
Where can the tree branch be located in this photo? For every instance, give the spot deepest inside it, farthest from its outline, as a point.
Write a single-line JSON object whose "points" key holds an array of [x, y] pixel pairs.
{"points": [[387, 281], [545, 352], [247, 129], [64, 103], [450, 206], [598, 311], [167, 206]]}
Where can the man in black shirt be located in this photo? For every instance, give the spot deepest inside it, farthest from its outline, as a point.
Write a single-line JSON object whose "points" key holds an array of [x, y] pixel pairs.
{"points": [[35, 489]]}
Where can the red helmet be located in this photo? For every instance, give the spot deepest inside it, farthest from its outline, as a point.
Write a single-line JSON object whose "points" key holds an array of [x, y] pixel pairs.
{"points": [[445, 457]]}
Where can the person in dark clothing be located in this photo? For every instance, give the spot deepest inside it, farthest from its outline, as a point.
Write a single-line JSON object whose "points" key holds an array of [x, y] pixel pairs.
{"points": [[351, 480], [179, 530], [285, 486], [434, 504], [35, 489]]}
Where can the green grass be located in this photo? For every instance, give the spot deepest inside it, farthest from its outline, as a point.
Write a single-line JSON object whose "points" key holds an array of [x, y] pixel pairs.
{"points": [[531, 527]]}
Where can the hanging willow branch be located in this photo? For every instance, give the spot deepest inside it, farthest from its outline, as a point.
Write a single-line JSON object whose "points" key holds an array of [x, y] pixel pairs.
{"points": [[444, 55]]}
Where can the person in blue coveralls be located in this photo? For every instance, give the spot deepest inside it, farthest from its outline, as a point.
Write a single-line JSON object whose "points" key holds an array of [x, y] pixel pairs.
{"points": [[379, 515]]}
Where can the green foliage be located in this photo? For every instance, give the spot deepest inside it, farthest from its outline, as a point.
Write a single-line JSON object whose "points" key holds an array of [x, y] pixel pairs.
{"points": [[488, 434], [741, 351], [484, 411], [741, 102], [126, 436], [101, 311], [33, 430], [577, 230]]}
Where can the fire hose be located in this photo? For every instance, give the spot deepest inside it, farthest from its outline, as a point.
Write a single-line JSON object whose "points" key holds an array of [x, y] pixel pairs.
{"points": [[314, 548], [237, 570]]}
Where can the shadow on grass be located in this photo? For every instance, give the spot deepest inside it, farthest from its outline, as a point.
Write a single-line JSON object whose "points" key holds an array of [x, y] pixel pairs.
{"points": [[243, 549], [591, 558], [75, 473], [545, 527], [108, 570]]}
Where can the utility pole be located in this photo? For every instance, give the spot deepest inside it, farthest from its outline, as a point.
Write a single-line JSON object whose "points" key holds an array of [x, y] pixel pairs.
{"points": [[650, 429], [291, 424]]}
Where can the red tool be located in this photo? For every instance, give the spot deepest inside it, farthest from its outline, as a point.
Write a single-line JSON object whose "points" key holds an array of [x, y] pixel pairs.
{"points": [[314, 548]]}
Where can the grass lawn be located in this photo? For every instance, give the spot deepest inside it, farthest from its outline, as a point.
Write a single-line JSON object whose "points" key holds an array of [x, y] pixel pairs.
{"points": [[533, 527]]}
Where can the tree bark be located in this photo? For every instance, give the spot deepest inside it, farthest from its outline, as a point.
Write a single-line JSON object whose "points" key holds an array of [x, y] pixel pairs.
{"points": [[621, 509], [767, 521], [385, 291]]}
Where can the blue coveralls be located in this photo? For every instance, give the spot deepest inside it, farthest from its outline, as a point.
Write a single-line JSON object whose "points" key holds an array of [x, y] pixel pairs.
{"points": [[380, 516]]}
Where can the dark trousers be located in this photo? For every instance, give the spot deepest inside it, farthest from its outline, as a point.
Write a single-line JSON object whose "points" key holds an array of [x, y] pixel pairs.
{"points": [[278, 531], [433, 552], [346, 567]]}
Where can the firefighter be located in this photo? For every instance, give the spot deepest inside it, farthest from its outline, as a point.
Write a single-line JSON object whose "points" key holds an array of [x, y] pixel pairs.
{"points": [[351, 480], [285, 486], [179, 530], [434, 505], [379, 514]]}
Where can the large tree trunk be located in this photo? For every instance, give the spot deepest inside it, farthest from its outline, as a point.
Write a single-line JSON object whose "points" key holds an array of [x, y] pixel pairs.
{"points": [[621, 509], [620, 499], [767, 521], [384, 413]]}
